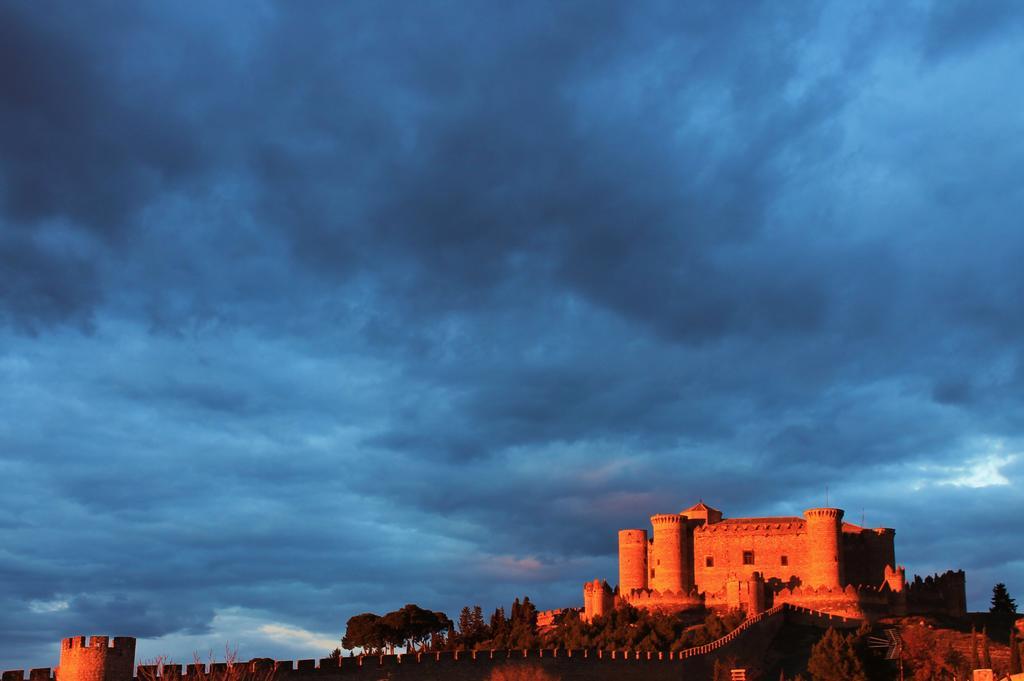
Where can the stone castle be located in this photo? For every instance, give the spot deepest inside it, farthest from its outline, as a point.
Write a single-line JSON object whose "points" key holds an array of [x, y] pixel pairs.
{"points": [[698, 560]]}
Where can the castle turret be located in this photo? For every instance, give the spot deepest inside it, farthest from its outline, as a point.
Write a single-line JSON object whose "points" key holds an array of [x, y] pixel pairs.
{"points": [[100, 660], [598, 600], [824, 548], [632, 560], [670, 567]]}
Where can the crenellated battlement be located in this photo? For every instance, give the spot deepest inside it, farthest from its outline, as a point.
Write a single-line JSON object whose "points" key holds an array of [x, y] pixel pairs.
{"points": [[655, 595], [97, 658], [749, 640], [42, 674], [667, 519], [733, 527], [117, 643], [940, 593], [824, 513]]}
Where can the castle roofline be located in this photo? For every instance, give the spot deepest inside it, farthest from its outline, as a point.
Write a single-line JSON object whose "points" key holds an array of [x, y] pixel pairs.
{"points": [[700, 506], [762, 521]]}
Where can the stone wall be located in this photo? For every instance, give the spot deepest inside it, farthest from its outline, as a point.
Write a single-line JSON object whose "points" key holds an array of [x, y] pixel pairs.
{"points": [[866, 554], [746, 644], [770, 542]]}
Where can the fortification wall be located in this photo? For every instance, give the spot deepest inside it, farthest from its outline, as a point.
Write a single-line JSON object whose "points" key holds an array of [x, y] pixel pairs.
{"points": [[772, 543], [850, 602], [745, 646], [944, 594], [666, 601], [866, 553]]}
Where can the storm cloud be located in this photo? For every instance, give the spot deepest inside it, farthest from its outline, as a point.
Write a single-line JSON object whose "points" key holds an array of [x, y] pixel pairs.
{"points": [[313, 309]]}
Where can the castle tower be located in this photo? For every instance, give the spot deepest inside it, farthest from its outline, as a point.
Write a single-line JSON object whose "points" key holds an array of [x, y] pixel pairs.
{"points": [[598, 600], [824, 548], [670, 567], [100, 660], [632, 560]]}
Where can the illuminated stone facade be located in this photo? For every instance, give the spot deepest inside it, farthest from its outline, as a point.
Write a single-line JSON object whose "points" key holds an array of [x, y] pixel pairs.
{"points": [[698, 559]]}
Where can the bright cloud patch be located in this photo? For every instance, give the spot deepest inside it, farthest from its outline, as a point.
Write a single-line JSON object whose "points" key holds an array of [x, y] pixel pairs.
{"points": [[298, 637], [55, 605], [981, 472]]}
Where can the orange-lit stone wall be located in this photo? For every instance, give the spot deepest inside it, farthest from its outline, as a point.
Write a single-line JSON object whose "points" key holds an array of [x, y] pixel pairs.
{"points": [[824, 550], [770, 542], [669, 564], [100, 660], [632, 560]]}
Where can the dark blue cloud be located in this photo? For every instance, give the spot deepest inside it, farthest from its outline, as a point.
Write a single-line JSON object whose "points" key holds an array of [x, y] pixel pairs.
{"points": [[312, 310]]}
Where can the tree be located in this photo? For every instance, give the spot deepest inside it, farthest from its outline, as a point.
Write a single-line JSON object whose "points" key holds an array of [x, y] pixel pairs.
{"points": [[413, 625], [1001, 602], [364, 631], [499, 629], [407, 626], [834, 658], [523, 627], [473, 630]]}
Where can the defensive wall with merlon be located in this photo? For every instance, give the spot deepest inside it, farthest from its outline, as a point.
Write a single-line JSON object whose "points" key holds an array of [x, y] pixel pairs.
{"points": [[747, 644]]}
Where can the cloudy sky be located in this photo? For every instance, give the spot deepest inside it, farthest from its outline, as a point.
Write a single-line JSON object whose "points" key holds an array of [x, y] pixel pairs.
{"points": [[313, 309]]}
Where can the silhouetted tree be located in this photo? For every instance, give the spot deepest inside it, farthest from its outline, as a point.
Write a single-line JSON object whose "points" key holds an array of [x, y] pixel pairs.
{"points": [[834, 658], [408, 626], [1001, 602], [523, 627], [499, 629], [364, 631], [473, 630], [412, 625]]}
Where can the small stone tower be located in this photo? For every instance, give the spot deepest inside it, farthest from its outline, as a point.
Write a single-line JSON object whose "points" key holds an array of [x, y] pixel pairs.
{"points": [[632, 560], [100, 660], [670, 566], [824, 547], [598, 600]]}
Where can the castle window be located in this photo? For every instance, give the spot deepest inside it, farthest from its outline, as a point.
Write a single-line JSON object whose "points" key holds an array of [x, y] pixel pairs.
{"points": [[785, 560], [709, 561], [748, 557]]}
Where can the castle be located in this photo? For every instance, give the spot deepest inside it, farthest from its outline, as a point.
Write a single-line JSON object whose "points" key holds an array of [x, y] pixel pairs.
{"points": [[698, 560]]}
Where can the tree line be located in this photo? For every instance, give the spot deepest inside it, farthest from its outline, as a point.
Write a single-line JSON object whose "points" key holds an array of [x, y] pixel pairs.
{"points": [[627, 627], [835, 657]]}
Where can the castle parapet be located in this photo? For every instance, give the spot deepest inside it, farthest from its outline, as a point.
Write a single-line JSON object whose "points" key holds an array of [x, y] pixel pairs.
{"points": [[938, 594], [98, 658]]}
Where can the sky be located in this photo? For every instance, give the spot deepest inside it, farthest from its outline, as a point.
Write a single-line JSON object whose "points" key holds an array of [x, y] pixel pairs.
{"points": [[312, 309]]}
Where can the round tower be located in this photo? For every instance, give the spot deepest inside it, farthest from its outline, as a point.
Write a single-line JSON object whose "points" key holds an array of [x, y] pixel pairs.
{"points": [[100, 660], [824, 547], [632, 560], [670, 563]]}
